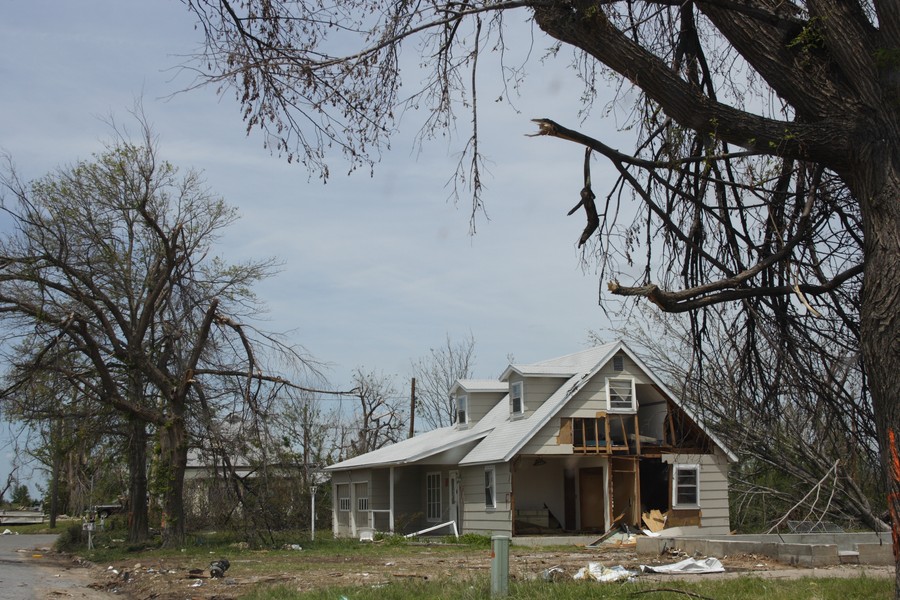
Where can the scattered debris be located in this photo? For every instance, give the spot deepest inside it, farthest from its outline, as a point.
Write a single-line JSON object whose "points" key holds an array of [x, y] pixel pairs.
{"points": [[618, 535], [598, 572], [688, 565], [8, 532], [654, 520], [218, 567], [556, 573], [292, 547]]}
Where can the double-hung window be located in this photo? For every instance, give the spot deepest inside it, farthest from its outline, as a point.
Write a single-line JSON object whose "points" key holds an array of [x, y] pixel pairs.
{"points": [[620, 394], [433, 496], [686, 486], [462, 410], [490, 488], [516, 399]]}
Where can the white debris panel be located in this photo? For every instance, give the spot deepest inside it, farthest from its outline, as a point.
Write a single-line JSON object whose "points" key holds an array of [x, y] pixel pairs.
{"points": [[688, 565]]}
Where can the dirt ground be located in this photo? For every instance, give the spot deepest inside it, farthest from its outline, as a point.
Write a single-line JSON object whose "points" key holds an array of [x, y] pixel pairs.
{"points": [[172, 579]]}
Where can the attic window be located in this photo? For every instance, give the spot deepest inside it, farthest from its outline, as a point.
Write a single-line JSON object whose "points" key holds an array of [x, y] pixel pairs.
{"points": [[618, 362], [620, 394], [516, 400], [462, 410]]}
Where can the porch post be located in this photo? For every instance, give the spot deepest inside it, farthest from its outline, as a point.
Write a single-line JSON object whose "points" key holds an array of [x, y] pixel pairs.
{"points": [[391, 501], [352, 507]]}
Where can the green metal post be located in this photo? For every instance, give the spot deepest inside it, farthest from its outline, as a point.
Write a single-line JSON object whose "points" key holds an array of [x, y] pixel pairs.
{"points": [[499, 566]]}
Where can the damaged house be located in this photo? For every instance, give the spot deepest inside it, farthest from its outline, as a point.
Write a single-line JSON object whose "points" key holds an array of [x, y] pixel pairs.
{"points": [[576, 444]]}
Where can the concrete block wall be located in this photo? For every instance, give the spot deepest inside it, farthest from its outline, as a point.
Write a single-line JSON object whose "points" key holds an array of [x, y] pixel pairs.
{"points": [[875, 554], [800, 554]]}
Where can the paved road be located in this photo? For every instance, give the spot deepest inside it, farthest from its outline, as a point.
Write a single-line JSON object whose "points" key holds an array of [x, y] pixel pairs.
{"points": [[26, 572]]}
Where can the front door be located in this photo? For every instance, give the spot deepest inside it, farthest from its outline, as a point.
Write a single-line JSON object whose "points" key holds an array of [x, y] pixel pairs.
{"points": [[454, 511], [591, 488]]}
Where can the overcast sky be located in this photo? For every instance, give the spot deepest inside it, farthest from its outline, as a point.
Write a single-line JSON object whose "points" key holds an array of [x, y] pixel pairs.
{"points": [[376, 269]]}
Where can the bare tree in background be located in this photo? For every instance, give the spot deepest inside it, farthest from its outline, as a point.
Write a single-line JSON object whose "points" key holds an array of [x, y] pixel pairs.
{"points": [[80, 442], [766, 165], [379, 418], [436, 373], [108, 274]]}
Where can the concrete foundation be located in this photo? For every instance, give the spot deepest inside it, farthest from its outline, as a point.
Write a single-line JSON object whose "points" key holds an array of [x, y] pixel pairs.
{"points": [[806, 549]]}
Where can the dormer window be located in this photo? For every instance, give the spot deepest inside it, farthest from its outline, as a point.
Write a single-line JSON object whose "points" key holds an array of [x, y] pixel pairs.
{"points": [[516, 399], [620, 395], [462, 410]]}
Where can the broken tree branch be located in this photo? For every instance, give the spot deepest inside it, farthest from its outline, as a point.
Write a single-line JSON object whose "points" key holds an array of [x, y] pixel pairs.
{"points": [[587, 201]]}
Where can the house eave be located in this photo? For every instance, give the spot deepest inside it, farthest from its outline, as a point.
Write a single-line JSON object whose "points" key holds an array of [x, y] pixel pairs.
{"points": [[412, 458]]}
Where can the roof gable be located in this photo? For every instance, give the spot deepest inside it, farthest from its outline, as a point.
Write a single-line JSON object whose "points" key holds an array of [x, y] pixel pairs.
{"points": [[499, 438]]}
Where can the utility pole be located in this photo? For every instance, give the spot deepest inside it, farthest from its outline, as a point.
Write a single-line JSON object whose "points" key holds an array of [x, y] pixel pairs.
{"points": [[412, 407]]}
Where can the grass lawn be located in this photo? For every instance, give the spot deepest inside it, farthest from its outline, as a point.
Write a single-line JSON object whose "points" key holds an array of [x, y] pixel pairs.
{"points": [[330, 569], [733, 589]]}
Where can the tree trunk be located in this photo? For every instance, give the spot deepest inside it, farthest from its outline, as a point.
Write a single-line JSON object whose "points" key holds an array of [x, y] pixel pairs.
{"points": [[172, 466], [54, 483], [879, 196], [138, 521]]}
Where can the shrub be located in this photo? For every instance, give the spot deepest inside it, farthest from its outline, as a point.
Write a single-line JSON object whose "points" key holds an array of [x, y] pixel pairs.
{"points": [[72, 538]]}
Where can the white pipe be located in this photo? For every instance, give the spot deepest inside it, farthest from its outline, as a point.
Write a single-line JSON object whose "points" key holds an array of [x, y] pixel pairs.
{"points": [[453, 523]]}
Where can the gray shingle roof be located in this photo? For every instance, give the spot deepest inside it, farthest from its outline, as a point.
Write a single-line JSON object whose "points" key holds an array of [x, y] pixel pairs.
{"points": [[497, 437]]}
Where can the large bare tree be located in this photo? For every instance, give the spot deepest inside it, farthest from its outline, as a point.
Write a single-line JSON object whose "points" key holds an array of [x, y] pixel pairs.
{"points": [[108, 273], [379, 416], [804, 431], [766, 167], [436, 373]]}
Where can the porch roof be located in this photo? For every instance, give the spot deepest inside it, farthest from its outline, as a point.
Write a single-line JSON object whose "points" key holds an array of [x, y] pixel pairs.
{"points": [[424, 445]]}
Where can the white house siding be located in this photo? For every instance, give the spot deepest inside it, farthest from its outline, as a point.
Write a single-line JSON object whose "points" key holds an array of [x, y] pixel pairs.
{"points": [[480, 403], [714, 516], [591, 399], [478, 519], [537, 390]]}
